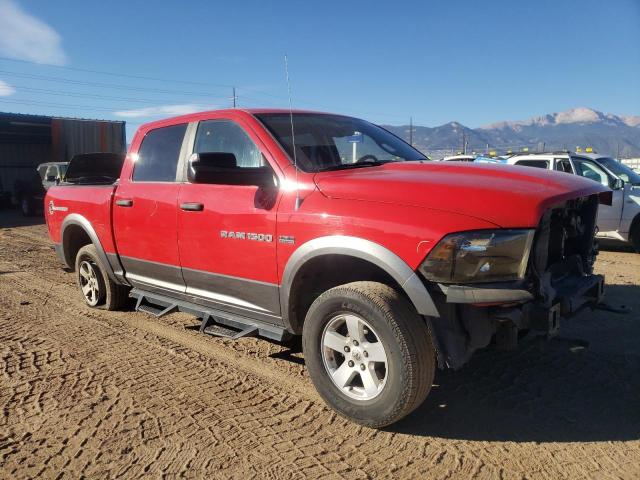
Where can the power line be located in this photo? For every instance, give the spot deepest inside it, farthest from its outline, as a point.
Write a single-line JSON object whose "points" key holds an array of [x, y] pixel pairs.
{"points": [[93, 96], [114, 74], [99, 84], [62, 105]]}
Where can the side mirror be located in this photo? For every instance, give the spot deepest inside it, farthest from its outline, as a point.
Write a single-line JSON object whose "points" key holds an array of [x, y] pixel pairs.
{"points": [[51, 178], [616, 183], [222, 169]]}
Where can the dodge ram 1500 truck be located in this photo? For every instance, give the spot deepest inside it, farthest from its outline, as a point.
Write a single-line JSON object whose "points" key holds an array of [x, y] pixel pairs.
{"points": [[277, 223]]}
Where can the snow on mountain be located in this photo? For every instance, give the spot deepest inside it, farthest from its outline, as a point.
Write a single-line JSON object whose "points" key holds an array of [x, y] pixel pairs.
{"points": [[605, 132]]}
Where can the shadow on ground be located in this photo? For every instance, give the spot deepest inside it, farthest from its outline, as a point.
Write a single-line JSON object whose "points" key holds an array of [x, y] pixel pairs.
{"points": [[556, 391], [14, 218]]}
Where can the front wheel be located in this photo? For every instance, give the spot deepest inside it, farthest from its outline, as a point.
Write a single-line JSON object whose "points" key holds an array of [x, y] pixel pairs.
{"points": [[368, 352]]}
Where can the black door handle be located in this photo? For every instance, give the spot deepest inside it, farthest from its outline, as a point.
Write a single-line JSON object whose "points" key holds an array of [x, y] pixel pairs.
{"points": [[124, 202], [192, 207]]}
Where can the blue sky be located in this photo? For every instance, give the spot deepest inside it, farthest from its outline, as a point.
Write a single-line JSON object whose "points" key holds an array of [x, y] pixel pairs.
{"points": [[475, 62]]}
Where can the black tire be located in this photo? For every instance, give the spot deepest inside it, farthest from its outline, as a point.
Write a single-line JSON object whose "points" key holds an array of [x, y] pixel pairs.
{"points": [[26, 205], [635, 237], [110, 295], [410, 355]]}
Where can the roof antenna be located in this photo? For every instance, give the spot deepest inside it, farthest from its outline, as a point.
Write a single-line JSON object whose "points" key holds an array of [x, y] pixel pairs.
{"points": [[293, 135]]}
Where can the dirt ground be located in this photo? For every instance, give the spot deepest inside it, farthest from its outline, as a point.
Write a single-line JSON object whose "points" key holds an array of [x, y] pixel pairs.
{"points": [[90, 393]]}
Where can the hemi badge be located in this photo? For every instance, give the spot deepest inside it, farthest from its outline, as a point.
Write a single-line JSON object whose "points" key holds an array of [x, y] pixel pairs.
{"points": [[288, 239]]}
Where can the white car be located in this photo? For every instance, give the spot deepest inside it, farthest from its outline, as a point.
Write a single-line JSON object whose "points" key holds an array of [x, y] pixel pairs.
{"points": [[621, 220], [459, 158]]}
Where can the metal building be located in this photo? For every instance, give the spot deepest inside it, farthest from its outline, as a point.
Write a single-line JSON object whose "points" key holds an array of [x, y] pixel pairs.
{"points": [[29, 140]]}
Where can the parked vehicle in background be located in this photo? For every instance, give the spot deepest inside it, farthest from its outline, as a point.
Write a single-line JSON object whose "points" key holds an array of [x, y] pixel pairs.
{"points": [[5, 196], [346, 235], [29, 193], [459, 158], [619, 221]]}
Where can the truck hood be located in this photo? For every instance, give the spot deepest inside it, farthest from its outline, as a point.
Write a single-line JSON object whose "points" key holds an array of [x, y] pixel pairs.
{"points": [[507, 196]]}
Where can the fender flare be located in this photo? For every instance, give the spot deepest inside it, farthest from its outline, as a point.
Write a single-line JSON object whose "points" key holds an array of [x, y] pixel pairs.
{"points": [[367, 250], [82, 222]]}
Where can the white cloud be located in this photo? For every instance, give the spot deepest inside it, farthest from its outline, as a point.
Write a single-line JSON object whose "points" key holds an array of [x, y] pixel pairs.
{"points": [[6, 89], [25, 37], [164, 110]]}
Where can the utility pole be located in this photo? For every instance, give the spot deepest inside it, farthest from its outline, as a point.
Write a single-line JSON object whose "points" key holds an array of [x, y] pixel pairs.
{"points": [[234, 97], [411, 131]]}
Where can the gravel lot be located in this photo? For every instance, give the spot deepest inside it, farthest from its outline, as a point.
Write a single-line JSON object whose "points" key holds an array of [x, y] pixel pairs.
{"points": [[121, 394]]}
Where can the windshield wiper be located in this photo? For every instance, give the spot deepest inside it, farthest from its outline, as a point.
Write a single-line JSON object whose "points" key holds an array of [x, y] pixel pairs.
{"points": [[347, 166]]}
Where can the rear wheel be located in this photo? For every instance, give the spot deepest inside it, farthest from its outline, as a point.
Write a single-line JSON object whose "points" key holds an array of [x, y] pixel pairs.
{"points": [[26, 205], [95, 285], [368, 353]]}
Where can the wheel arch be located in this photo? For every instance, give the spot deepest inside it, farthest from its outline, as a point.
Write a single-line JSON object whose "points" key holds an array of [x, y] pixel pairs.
{"points": [[356, 251], [76, 232]]}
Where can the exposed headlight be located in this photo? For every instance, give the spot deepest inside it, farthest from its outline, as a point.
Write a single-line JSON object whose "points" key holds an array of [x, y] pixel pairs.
{"points": [[479, 256]]}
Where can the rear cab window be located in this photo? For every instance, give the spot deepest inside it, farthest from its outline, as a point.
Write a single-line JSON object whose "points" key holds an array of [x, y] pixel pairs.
{"points": [[159, 154]]}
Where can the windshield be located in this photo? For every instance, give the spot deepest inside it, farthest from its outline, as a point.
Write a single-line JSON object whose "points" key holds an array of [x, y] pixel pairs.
{"points": [[332, 142], [621, 170]]}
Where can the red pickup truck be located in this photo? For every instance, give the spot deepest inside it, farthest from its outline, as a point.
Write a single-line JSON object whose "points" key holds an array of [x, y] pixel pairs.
{"points": [[277, 223]]}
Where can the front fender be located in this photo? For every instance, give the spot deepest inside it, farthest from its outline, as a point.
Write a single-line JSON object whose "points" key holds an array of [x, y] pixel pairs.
{"points": [[365, 250]]}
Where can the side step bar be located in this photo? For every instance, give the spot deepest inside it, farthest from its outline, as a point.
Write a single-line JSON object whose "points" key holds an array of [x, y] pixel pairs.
{"points": [[214, 322]]}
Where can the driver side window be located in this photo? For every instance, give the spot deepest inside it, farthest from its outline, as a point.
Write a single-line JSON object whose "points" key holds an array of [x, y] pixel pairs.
{"points": [[591, 171], [224, 136]]}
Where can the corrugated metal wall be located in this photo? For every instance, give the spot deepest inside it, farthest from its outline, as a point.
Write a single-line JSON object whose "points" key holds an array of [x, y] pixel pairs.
{"points": [[70, 137], [19, 160], [29, 140]]}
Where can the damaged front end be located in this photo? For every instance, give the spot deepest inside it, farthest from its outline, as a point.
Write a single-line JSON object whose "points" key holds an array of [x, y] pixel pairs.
{"points": [[557, 282]]}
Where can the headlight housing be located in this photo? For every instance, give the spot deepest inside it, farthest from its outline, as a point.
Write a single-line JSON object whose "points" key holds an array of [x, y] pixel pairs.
{"points": [[479, 256]]}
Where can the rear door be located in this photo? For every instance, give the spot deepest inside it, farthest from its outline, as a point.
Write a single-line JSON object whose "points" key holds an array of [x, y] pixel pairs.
{"points": [[227, 244], [145, 213], [608, 215]]}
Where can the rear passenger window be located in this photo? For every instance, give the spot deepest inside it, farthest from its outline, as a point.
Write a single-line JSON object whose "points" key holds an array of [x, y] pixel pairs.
{"points": [[158, 155], [533, 163]]}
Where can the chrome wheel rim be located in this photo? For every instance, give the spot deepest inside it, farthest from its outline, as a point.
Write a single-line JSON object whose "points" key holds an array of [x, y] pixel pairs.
{"points": [[89, 283], [354, 357]]}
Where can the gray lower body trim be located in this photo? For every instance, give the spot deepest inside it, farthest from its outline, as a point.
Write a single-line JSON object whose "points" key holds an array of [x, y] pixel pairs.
{"points": [[250, 294], [159, 276], [116, 266], [240, 296]]}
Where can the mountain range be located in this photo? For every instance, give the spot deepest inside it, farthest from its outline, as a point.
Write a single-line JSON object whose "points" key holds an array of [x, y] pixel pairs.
{"points": [[616, 135]]}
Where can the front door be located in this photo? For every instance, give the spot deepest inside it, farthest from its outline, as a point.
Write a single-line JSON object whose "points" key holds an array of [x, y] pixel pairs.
{"points": [[227, 233], [145, 218], [608, 215]]}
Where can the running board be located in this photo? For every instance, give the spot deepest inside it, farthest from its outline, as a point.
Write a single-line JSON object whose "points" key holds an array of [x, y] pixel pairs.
{"points": [[214, 322]]}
